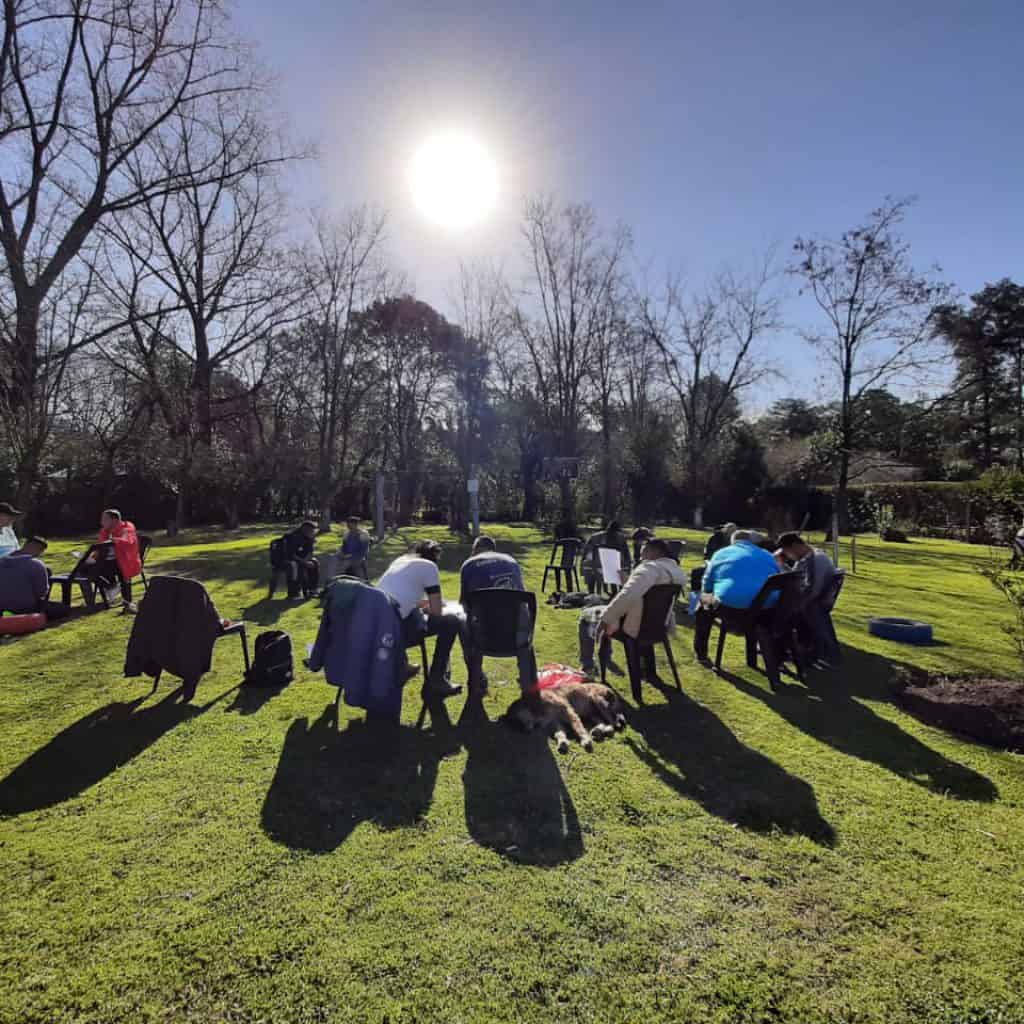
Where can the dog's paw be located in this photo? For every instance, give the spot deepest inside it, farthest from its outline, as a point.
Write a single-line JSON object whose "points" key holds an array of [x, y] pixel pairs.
{"points": [[562, 745], [587, 744], [620, 722]]}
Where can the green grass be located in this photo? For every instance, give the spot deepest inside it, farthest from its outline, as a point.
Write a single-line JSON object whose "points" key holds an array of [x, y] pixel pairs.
{"points": [[735, 856]]}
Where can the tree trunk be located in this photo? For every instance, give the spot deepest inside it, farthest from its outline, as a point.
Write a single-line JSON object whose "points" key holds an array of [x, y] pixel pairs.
{"points": [[408, 485], [566, 503], [607, 509], [326, 500], [1019, 368]]}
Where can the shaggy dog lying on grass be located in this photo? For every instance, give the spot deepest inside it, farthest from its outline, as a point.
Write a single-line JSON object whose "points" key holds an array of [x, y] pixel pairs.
{"points": [[589, 711]]}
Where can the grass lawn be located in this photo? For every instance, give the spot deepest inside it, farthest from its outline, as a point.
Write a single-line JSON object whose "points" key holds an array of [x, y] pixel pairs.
{"points": [[734, 856]]}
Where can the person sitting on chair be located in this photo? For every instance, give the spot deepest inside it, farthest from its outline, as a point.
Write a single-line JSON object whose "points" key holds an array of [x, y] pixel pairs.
{"points": [[355, 549], [1017, 549], [818, 572], [118, 563], [34, 547], [610, 537], [25, 583], [732, 579], [489, 569], [301, 568], [407, 579], [8, 538], [626, 608]]}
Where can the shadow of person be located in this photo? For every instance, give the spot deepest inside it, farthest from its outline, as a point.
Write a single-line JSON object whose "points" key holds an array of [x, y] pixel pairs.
{"points": [[515, 799], [268, 610], [327, 781], [690, 749], [826, 711], [91, 749]]}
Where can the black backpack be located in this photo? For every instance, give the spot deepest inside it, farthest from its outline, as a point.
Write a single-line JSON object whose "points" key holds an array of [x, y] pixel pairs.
{"points": [[272, 665]]}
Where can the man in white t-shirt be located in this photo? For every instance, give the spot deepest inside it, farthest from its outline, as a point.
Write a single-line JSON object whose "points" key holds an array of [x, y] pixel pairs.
{"points": [[413, 581]]}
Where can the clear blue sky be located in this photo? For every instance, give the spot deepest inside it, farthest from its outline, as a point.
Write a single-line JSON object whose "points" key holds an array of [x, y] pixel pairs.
{"points": [[712, 129]]}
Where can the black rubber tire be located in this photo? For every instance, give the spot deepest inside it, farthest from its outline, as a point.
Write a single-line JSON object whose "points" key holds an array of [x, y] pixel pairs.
{"points": [[905, 631]]}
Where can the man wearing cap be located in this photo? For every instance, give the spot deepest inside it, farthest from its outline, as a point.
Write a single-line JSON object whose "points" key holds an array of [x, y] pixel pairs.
{"points": [[413, 582], [8, 538]]}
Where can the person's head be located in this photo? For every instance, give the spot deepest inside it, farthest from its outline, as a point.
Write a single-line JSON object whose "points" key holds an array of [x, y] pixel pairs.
{"points": [[34, 546], [353, 524], [614, 527], [793, 546], [109, 518], [308, 529], [728, 529], [750, 536], [654, 548], [642, 533], [428, 549], [483, 543], [8, 513]]}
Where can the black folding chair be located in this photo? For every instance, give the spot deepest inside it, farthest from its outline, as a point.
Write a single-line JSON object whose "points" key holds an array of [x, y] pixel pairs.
{"points": [[562, 562], [87, 583], [659, 604], [675, 549], [145, 543], [768, 629], [500, 622]]}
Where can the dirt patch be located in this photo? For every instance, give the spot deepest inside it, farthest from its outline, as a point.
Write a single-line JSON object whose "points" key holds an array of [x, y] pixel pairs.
{"points": [[989, 710]]}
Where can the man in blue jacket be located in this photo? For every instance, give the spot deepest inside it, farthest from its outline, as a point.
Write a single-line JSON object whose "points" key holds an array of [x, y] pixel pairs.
{"points": [[732, 579]]}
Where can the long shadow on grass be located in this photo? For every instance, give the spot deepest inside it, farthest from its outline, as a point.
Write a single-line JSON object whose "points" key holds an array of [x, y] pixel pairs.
{"points": [[690, 749], [515, 798], [327, 781], [90, 750], [826, 711]]}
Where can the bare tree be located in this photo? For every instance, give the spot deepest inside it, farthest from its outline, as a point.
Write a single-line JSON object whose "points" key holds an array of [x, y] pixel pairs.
{"points": [[344, 273], [711, 348], [562, 315], [879, 315], [86, 88]]}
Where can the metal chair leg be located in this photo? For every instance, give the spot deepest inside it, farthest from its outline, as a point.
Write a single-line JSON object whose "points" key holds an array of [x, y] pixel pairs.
{"points": [[245, 649], [672, 663], [544, 581], [634, 668]]}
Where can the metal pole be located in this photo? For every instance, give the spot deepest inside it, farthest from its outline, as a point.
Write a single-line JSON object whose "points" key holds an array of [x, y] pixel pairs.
{"points": [[378, 506], [835, 538], [853, 552], [473, 486]]}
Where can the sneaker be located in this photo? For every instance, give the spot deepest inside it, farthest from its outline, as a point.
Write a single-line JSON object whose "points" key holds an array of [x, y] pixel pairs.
{"points": [[131, 608]]}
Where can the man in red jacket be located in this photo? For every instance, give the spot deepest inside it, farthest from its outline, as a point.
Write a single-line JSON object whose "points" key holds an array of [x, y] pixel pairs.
{"points": [[120, 534]]}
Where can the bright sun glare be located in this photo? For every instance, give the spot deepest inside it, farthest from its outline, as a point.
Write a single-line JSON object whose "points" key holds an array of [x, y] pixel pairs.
{"points": [[454, 181]]}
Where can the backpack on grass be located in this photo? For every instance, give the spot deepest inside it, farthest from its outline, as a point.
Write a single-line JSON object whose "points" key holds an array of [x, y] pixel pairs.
{"points": [[272, 664]]}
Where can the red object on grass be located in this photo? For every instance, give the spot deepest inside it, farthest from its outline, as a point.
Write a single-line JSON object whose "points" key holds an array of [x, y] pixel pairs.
{"points": [[555, 675], [14, 625]]}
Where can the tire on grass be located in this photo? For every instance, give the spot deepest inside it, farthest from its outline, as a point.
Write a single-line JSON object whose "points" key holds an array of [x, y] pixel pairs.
{"points": [[905, 631]]}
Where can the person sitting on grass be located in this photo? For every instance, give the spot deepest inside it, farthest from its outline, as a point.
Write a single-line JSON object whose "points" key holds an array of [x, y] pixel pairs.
{"points": [[732, 579], [489, 569], [301, 568], [625, 610], [25, 584], [355, 549], [8, 538], [413, 582], [610, 537], [116, 565]]}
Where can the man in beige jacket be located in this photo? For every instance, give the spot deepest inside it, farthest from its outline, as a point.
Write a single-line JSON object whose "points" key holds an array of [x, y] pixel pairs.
{"points": [[625, 611]]}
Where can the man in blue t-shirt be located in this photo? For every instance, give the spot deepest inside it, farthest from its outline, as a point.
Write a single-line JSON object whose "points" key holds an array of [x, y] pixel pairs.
{"points": [[489, 569], [732, 579]]}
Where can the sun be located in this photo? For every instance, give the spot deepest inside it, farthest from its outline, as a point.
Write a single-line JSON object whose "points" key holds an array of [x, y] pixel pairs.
{"points": [[454, 181]]}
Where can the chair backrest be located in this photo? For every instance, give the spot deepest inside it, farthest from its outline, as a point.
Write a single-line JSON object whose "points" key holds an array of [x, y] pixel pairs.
{"points": [[500, 621], [789, 587], [92, 549], [277, 553], [659, 602], [675, 548], [564, 552], [145, 543], [831, 593]]}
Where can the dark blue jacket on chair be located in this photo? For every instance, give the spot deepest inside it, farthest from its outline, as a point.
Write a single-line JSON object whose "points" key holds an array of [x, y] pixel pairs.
{"points": [[359, 646]]}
